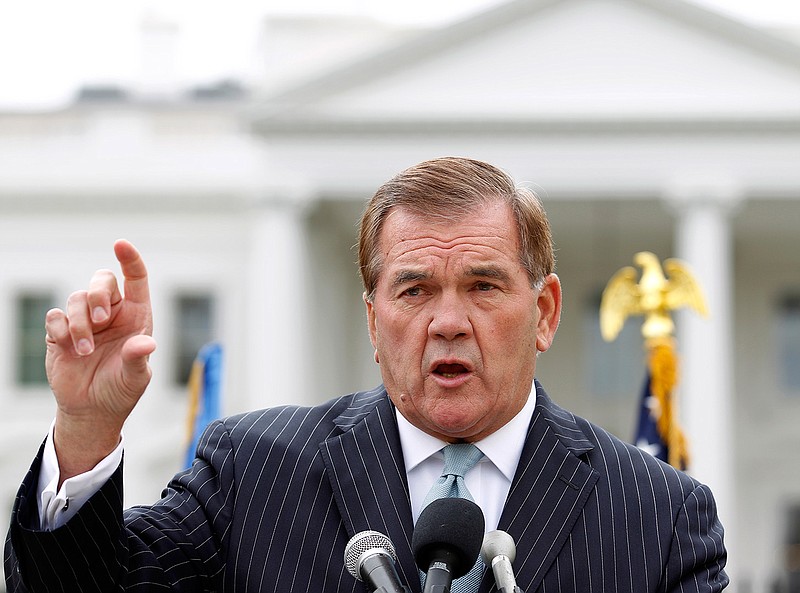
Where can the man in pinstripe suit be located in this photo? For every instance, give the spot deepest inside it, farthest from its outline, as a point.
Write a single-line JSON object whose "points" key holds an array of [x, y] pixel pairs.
{"points": [[457, 264]]}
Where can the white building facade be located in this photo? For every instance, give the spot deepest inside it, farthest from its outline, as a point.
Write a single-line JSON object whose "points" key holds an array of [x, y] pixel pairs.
{"points": [[642, 124]]}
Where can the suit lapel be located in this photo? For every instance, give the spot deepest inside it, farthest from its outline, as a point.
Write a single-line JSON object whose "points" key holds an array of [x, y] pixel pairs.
{"points": [[548, 493], [370, 484], [549, 490]]}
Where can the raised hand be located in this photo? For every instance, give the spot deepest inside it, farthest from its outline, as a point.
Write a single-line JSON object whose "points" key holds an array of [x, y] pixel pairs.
{"points": [[97, 361]]}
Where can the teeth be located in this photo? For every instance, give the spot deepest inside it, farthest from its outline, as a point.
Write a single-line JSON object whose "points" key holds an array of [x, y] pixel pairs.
{"points": [[449, 375]]}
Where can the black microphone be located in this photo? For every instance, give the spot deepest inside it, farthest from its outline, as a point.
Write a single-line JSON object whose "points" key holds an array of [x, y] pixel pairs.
{"points": [[369, 556], [446, 541], [498, 551]]}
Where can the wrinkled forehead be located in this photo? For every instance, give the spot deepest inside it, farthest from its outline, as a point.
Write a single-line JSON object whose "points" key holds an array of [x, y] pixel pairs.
{"points": [[480, 218], [485, 233]]}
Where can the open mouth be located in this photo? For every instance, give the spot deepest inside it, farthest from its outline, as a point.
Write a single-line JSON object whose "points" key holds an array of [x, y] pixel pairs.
{"points": [[450, 371]]}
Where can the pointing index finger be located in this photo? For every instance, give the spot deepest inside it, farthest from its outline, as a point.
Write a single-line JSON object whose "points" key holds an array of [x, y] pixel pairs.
{"points": [[133, 270]]}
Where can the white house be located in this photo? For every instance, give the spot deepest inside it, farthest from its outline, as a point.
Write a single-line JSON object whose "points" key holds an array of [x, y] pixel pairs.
{"points": [[643, 125]]}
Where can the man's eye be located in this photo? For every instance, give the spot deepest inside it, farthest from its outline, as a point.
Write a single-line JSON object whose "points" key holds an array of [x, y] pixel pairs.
{"points": [[413, 291], [484, 286]]}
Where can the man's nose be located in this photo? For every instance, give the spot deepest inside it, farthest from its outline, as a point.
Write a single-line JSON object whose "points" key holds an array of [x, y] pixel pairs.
{"points": [[450, 319]]}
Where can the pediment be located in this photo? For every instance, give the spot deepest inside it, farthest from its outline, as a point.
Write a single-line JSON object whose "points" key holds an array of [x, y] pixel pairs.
{"points": [[563, 60]]}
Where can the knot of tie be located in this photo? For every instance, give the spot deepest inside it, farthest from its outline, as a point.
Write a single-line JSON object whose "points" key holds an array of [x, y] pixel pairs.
{"points": [[459, 458]]}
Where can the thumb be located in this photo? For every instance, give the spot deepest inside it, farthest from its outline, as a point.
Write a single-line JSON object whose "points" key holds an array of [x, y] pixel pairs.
{"points": [[135, 361]]}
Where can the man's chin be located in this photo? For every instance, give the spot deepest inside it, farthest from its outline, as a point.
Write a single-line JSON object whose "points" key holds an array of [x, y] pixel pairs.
{"points": [[455, 427]]}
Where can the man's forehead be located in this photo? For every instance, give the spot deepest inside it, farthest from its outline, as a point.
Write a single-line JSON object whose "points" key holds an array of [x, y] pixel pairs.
{"points": [[405, 229], [446, 215]]}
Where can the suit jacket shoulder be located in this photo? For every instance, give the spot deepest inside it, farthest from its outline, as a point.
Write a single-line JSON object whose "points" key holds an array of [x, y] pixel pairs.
{"points": [[591, 512]]}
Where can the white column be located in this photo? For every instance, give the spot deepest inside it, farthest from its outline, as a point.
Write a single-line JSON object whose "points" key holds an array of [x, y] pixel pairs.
{"points": [[703, 240], [277, 303]]}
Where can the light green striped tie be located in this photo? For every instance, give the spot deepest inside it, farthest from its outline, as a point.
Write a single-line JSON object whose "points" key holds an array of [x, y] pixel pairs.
{"points": [[459, 458]]}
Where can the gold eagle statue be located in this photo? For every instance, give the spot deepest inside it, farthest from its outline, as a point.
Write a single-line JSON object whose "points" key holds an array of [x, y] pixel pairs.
{"points": [[654, 296]]}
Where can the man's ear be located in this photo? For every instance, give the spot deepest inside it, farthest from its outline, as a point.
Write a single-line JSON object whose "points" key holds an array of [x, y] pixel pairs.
{"points": [[549, 305], [370, 320]]}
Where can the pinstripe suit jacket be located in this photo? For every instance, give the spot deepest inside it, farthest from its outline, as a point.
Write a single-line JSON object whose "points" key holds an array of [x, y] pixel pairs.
{"points": [[274, 496]]}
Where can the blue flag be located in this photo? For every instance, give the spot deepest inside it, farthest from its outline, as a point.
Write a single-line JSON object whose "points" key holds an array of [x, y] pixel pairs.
{"points": [[205, 385], [647, 436]]}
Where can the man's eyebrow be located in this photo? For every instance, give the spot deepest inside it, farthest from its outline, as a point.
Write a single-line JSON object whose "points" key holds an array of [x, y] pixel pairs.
{"points": [[404, 276], [488, 272]]}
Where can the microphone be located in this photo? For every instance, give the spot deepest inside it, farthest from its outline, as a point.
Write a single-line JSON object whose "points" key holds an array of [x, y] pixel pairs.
{"points": [[446, 541], [498, 551], [369, 556]]}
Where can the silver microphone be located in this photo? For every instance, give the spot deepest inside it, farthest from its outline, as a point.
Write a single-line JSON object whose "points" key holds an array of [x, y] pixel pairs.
{"points": [[499, 551], [370, 557]]}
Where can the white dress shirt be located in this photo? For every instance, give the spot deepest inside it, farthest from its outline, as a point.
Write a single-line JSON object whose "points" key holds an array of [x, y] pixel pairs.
{"points": [[56, 507], [488, 482]]}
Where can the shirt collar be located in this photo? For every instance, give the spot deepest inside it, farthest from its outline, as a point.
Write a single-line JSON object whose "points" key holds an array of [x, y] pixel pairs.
{"points": [[503, 447]]}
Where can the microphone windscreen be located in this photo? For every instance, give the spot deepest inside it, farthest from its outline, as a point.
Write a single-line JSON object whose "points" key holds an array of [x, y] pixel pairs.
{"points": [[450, 525], [498, 543], [366, 542]]}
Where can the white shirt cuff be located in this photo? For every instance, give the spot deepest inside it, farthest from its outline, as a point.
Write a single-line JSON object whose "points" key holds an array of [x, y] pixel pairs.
{"points": [[56, 507]]}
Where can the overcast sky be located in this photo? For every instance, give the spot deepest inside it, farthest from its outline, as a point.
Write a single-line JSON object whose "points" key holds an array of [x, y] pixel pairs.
{"points": [[48, 48]]}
